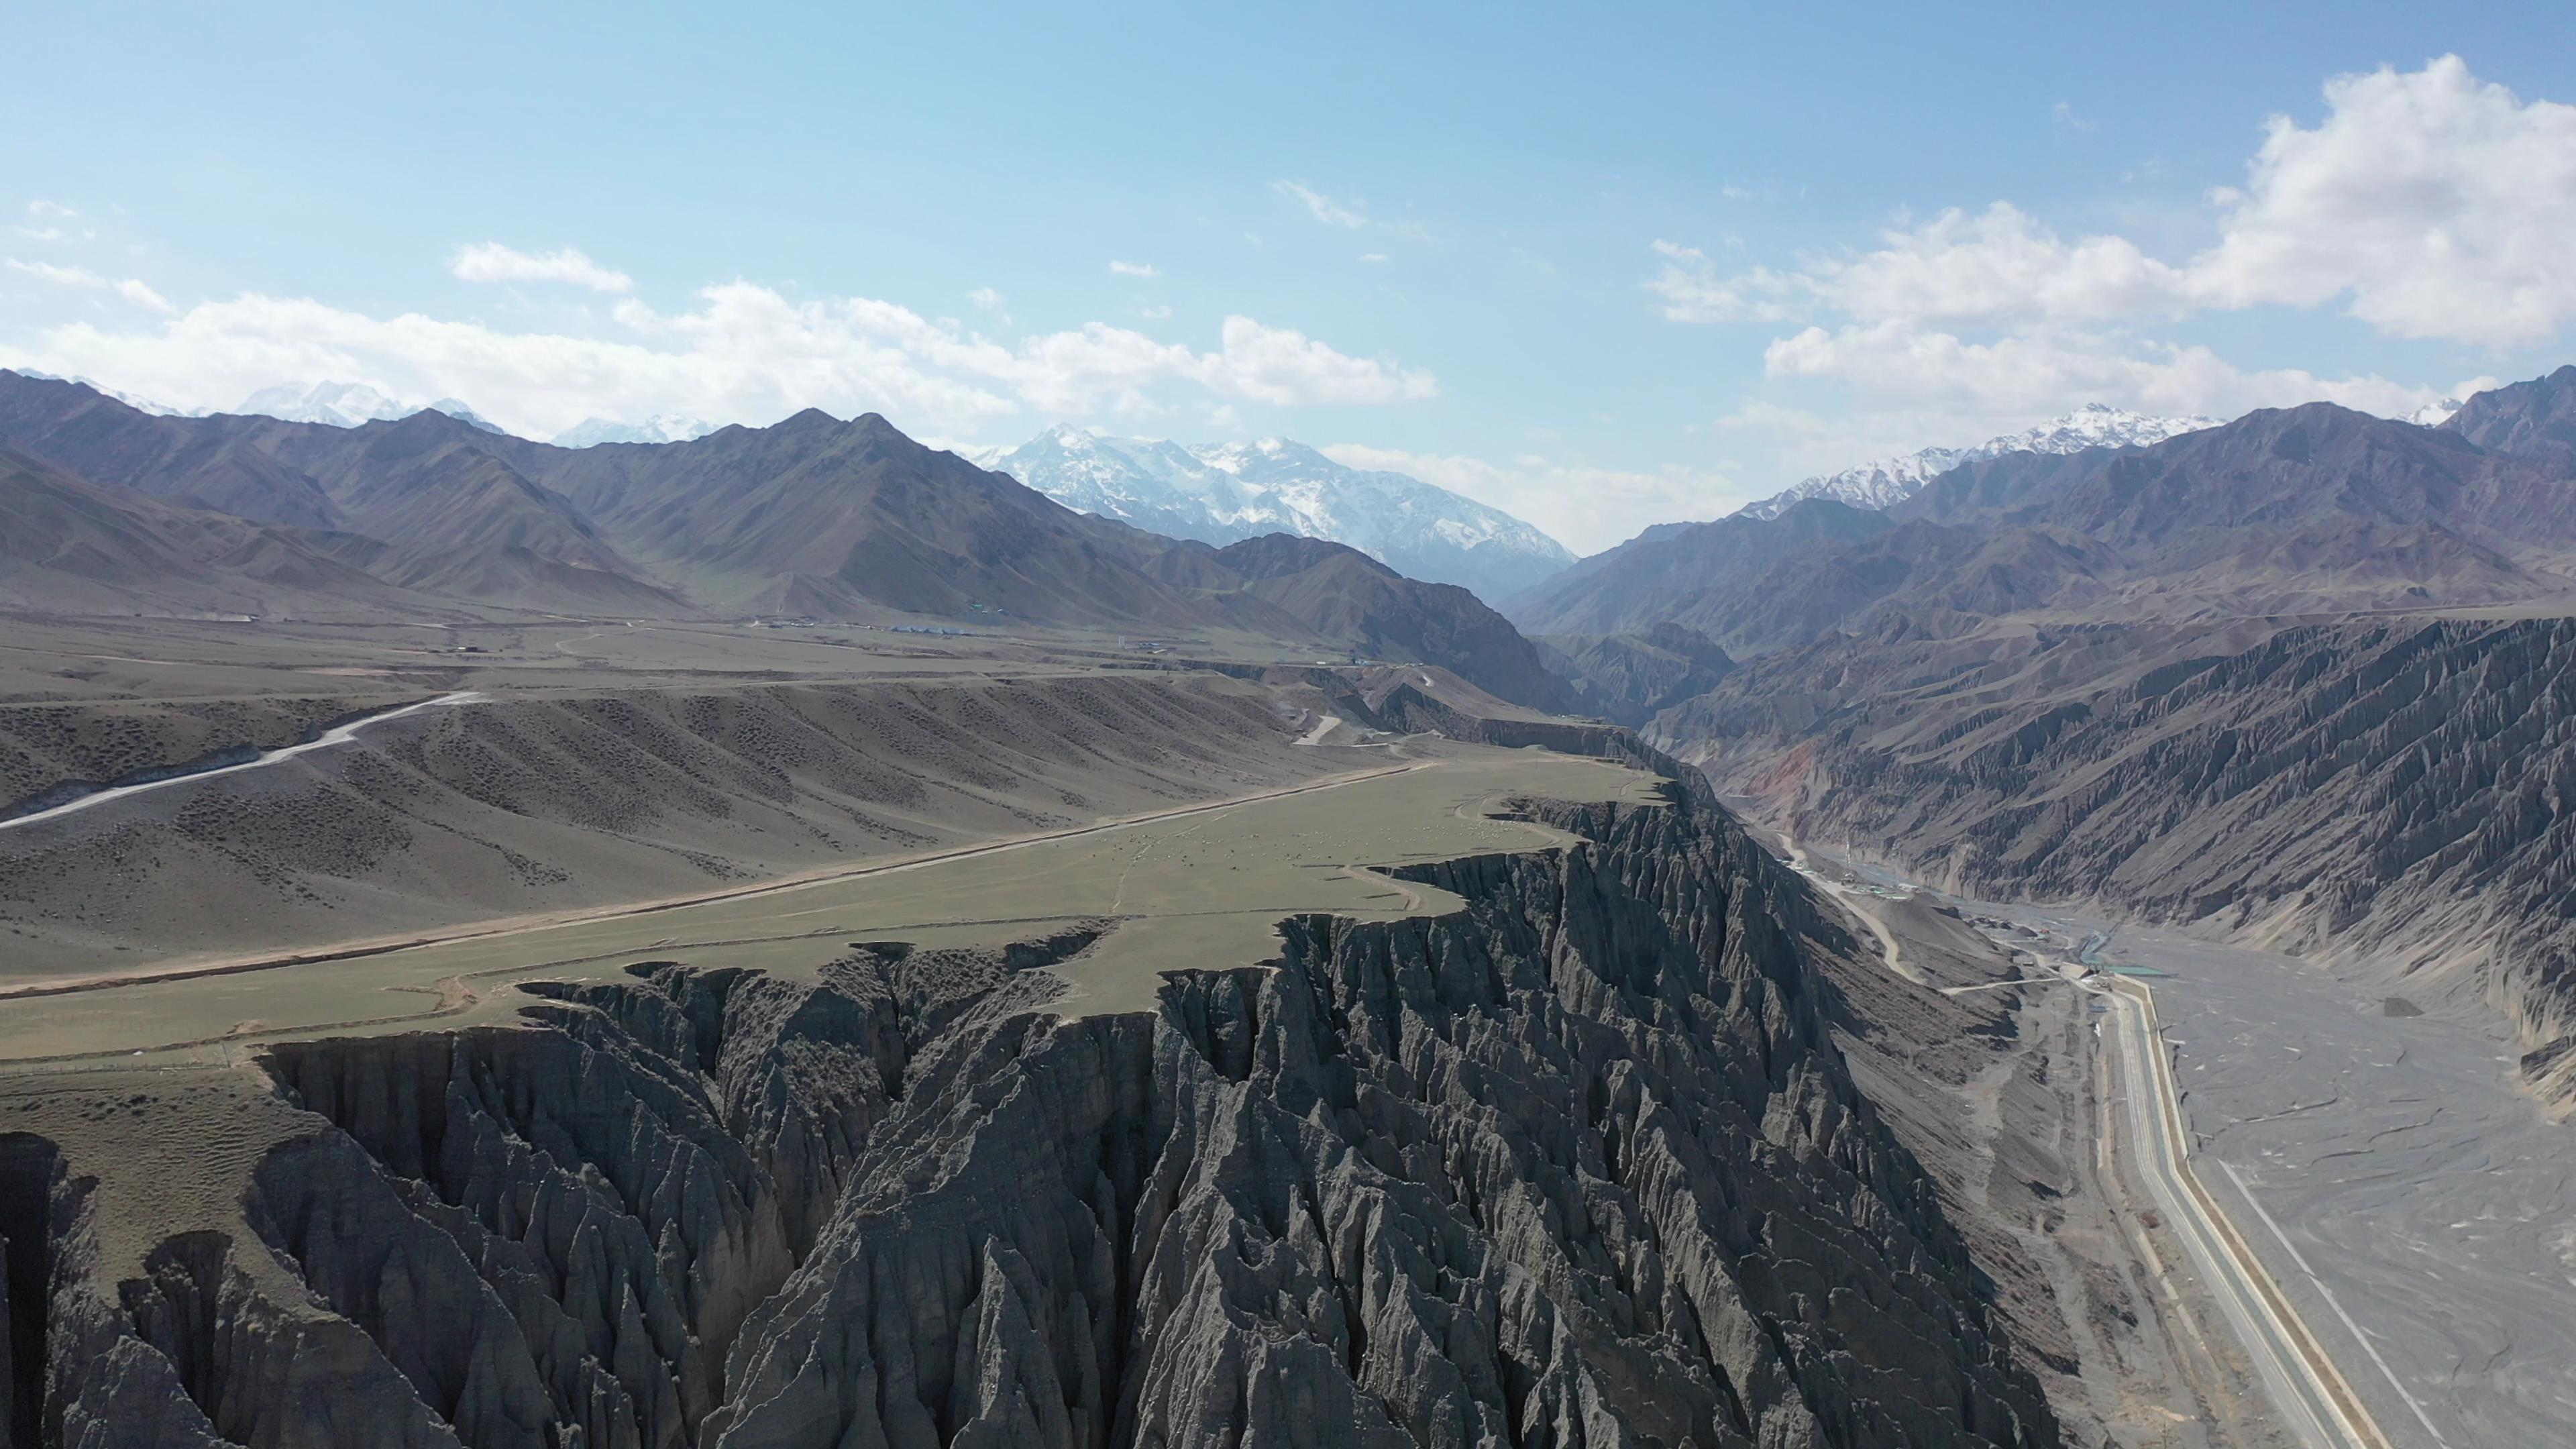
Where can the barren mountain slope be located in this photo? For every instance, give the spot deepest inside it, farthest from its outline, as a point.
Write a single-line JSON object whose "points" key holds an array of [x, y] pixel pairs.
{"points": [[69, 544], [1340, 594], [835, 515], [532, 804], [1630, 678], [2533, 420], [1691, 573], [430, 481], [2309, 509], [422, 503], [2392, 793], [212, 463]]}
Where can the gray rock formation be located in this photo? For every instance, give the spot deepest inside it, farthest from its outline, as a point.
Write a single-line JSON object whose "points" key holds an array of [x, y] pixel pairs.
{"points": [[2395, 789], [1577, 1165]]}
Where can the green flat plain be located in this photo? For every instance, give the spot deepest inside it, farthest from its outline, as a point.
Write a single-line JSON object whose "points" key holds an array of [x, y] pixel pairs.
{"points": [[1202, 889]]}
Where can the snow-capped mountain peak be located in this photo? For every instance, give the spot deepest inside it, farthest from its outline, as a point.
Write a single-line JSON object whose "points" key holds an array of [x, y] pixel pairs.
{"points": [[338, 404], [1223, 493], [2433, 414], [659, 428], [139, 404], [349, 404], [1884, 482]]}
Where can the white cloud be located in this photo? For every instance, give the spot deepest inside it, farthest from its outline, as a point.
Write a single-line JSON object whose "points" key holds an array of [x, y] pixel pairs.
{"points": [[2439, 205], [1135, 269], [1778, 419], [1373, 257], [2063, 113], [1999, 268], [493, 262], [143, 296], [1323, 208], [2432, 204], [1155, 313], [2426, 204], [2038, 373], [986, 298], [1279, 366], [743, 352], [50, 211], [1694, 292], [1586, 508], [1916, 386], [59, 276], [40, 233], [130, 289]]}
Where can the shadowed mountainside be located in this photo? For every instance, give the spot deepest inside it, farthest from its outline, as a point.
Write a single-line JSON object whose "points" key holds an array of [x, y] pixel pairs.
{"points": [[1630, 678], [69, 544], [2392, 794], [1341, 594]]}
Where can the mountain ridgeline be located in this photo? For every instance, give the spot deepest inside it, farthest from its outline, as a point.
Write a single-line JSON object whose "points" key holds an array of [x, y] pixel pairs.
{"points": [[431, 516], [1886, 482], [2300, 677], [2309, 509], [1228, 492]]}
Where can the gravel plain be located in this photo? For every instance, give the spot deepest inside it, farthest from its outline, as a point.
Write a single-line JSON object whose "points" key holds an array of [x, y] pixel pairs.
{"points": [[2414, 1203]]}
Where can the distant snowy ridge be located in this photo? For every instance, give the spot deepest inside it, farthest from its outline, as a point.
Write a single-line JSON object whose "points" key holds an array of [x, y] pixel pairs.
{"points": [[2433, 414], [139, 404], [1889, 481], [336, 404], [1223, 493], [659, 428], [348, 404]]}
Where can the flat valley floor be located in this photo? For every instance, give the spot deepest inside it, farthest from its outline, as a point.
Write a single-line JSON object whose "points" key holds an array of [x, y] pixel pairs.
{"points": [[2415, 1205]]}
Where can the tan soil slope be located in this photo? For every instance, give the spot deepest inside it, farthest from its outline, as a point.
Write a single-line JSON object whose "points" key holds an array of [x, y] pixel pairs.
{"points": [[546, 803]]}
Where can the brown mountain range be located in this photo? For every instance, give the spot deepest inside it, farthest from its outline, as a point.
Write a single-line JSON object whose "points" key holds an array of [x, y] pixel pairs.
{"points": [[812, 517]]}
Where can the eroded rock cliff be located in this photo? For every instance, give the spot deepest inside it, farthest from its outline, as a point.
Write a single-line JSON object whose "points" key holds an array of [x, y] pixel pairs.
{"points": [[1577, 1165]]}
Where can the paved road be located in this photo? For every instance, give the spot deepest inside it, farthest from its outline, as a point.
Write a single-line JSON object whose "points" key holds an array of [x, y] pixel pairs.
{"points": [[2314, 1403], [329, 739]]}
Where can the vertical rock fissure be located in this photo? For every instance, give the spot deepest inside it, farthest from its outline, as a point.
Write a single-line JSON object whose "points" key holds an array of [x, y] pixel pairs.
{"points": [[29, 1169]]}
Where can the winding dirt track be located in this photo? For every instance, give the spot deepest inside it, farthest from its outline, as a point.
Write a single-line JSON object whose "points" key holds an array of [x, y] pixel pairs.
{"points": [[484, 930], [331, 738]]}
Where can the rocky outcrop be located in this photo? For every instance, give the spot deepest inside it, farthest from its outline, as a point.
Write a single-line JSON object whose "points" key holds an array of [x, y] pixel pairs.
{"points": [[1576, 1167], [1579, 1164], [2395, 794]]}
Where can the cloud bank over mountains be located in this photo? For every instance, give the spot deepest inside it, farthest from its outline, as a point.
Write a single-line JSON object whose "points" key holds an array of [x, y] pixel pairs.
{"points": [[743, 351], [2427, 205], [2421, 214]]}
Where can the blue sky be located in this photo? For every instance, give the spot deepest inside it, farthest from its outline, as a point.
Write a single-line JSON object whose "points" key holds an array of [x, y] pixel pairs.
{"points": [[1599, 268]]}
